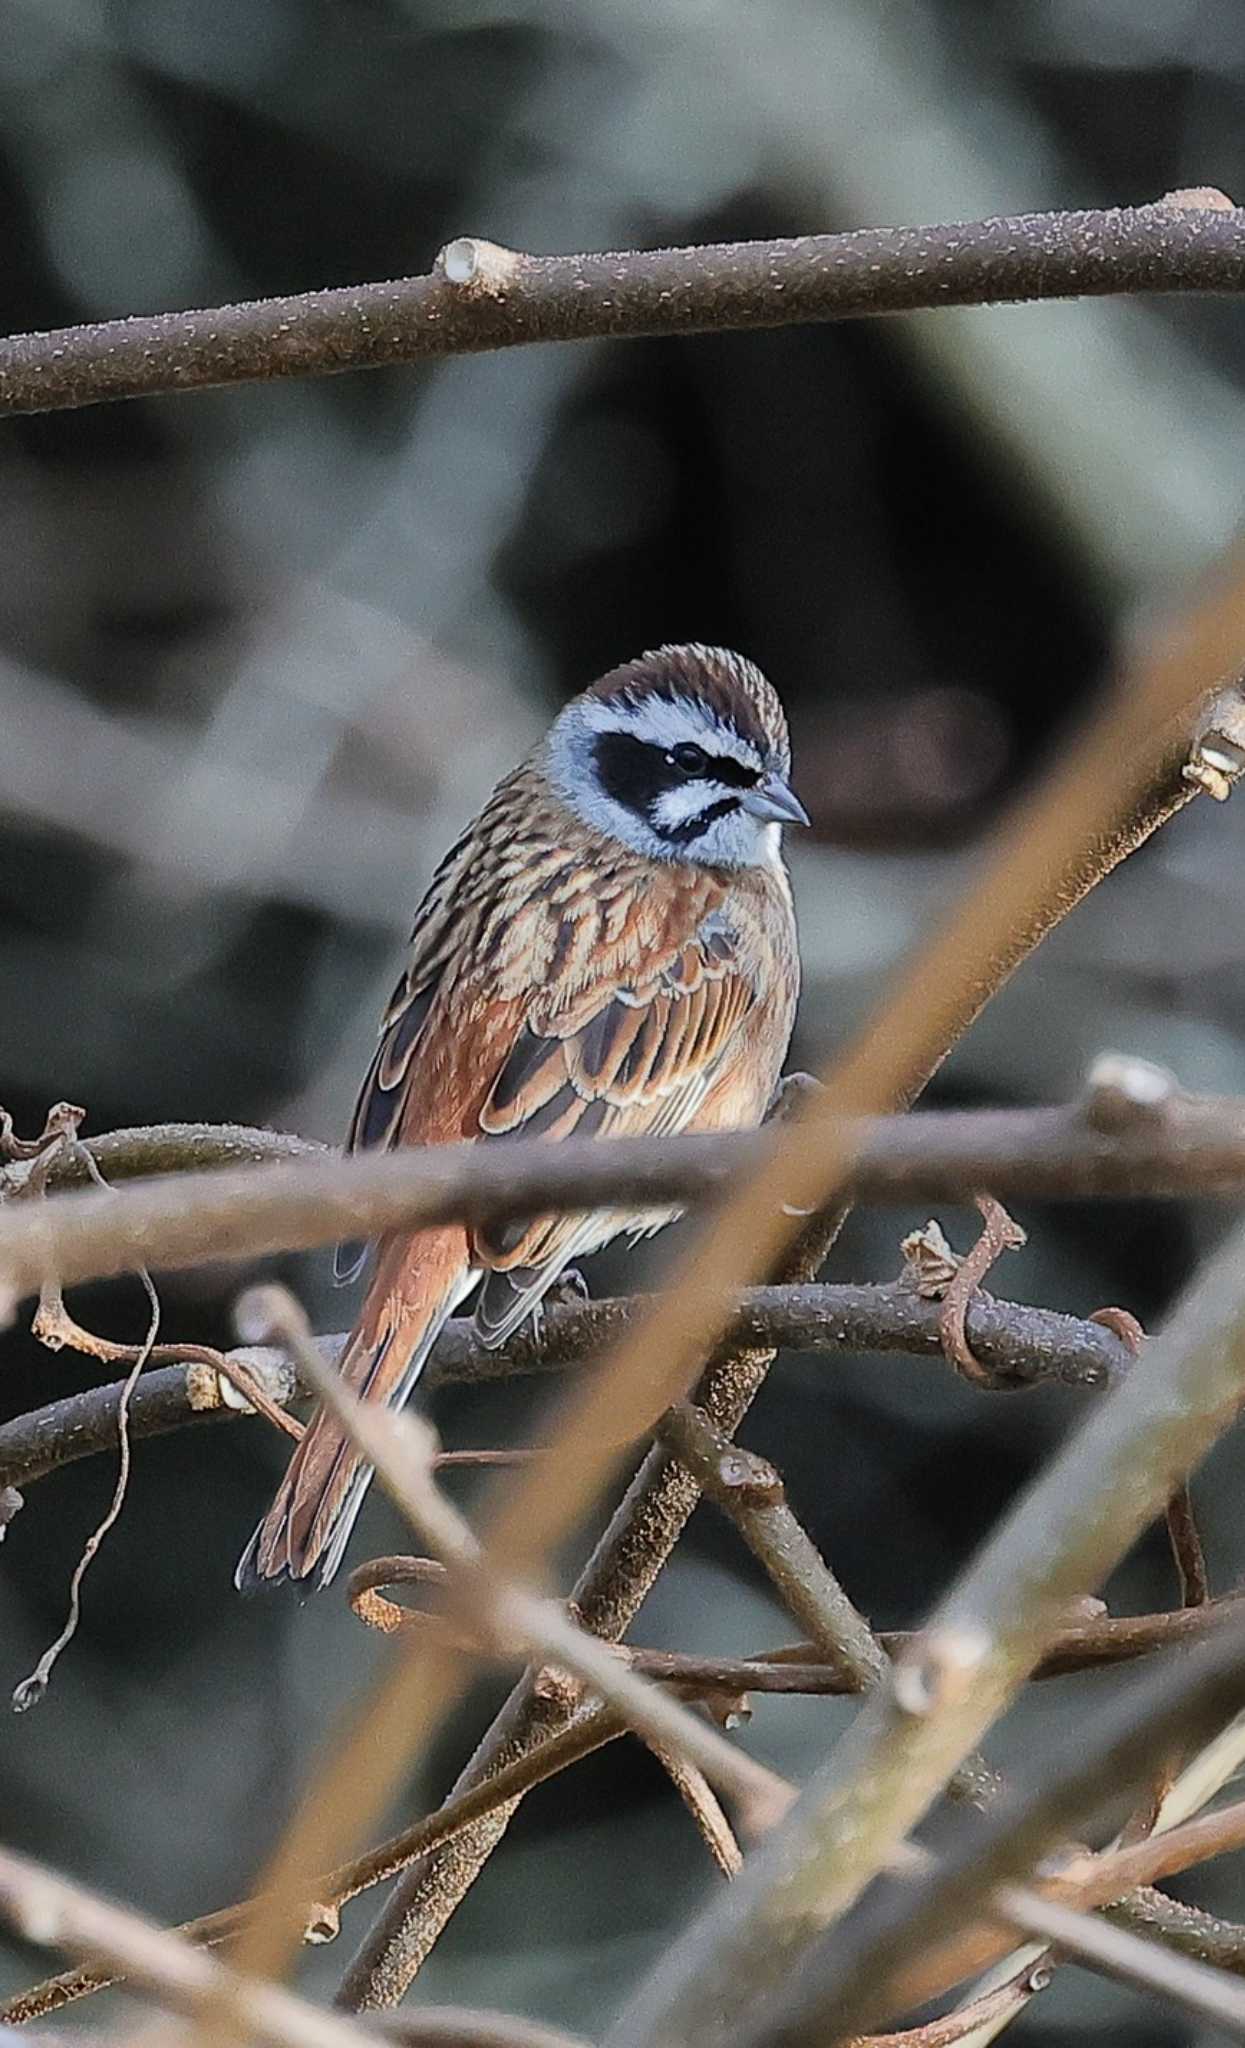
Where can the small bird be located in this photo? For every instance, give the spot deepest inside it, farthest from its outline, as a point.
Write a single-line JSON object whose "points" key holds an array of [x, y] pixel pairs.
{"points": [[608, 950]]}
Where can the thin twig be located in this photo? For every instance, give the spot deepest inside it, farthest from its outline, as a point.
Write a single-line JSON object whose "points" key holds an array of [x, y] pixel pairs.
{"points": [[999, 1234], [1187, 1549], [749, 1490], [991, 2009], [1119, 1953], [702, 1803], [31, 1690], [481, 297], [807, 1668]]}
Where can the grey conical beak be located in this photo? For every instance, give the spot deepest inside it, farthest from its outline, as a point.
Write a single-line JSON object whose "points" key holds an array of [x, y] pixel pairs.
{"points": [[772, 799]]}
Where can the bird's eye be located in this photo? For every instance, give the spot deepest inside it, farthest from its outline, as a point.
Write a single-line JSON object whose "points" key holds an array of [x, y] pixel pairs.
{"points": [[689, 758]]}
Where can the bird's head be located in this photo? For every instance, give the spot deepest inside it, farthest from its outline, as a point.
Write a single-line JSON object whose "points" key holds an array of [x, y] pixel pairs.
{"points": [[683, 755]]}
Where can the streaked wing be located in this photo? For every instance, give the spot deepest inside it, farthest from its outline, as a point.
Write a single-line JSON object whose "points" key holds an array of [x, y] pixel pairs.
{"points": [[637, 1057]]}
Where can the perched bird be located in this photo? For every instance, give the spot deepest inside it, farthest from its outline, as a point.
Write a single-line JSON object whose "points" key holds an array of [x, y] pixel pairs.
{"points": [[609, 949]]}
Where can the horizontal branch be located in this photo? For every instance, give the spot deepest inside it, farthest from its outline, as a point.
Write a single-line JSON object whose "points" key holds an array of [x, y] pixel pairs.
{"points": [[1023, 1346], [802, 1668], [1153, 1141], [480, 297], [146, 1149]]}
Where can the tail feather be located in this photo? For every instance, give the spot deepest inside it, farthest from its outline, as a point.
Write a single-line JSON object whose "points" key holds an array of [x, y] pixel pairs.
{"points": [[304, 1534]]}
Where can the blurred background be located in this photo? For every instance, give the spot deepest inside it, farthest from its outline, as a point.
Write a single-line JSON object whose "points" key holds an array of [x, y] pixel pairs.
{"points": [[262, 652]]}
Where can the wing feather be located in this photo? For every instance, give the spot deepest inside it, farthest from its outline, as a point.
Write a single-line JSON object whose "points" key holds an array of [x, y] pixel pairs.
{"points": [[635, 1056]]}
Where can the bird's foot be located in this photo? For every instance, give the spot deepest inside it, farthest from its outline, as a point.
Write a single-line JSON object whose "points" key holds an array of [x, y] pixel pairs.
{"points": [[569, 1290]]}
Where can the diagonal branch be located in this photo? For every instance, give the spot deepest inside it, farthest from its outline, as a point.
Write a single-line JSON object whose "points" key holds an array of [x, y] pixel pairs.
{"points": [[51, 1910], [509, 1618], [1117, 1952], [752, 1494]]}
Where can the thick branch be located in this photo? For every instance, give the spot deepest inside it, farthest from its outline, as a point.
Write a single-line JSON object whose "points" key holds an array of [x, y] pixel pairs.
{"points": [[1177, 1145], [480, 297], [1024, 1346]]}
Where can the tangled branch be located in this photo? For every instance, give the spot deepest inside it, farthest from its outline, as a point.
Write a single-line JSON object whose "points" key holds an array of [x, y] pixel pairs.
{"points": [[1137, 767]]}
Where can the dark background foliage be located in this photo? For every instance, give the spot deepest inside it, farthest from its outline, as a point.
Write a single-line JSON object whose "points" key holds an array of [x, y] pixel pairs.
{"points": [[261, 652]]}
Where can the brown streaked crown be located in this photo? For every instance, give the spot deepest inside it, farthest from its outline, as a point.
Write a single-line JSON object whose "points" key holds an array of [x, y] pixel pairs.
{"points": [[733, 687]]}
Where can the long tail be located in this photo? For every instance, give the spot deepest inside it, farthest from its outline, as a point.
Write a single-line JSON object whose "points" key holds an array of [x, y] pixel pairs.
{"points": [[414, 1287]]}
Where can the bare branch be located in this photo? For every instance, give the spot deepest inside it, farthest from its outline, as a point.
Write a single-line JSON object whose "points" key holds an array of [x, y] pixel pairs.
{"points": [[992, 2011], [461, 2026], [481, 297], [1118, 1952], [146, 1149], [999, 1234], [1022, 1346], [1111, 1875], [583, 1734], [1082, 1646], [751, 1492], [1184, 1928], [50, 1910], [701, 1801], [302, 1196]]}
